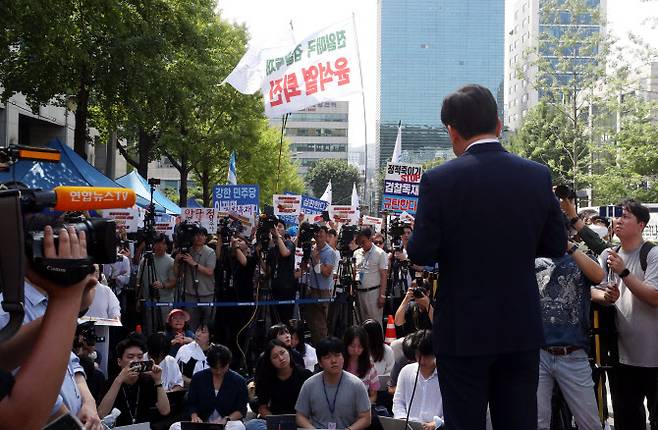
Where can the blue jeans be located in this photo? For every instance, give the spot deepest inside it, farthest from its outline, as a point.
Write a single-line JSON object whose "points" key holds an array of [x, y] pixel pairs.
{"points": [[574, 376]]}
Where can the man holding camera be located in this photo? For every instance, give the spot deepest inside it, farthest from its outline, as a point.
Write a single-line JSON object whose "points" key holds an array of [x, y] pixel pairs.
{"points": [[281, 264], [162, 287], [321, 282], [487, 319], [371, 268], [197, 267], [635, 377], [137, 388]]}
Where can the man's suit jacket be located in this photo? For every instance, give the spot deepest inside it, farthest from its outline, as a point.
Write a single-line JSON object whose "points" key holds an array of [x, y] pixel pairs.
{"points": [[484, 217]]}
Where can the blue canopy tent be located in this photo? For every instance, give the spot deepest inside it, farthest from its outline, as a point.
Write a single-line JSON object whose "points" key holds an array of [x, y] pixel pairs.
{"points": [[71, 170], [141, 186]]}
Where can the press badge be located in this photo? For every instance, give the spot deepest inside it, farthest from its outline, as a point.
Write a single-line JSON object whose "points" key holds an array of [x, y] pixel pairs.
{"points": [[331, 426]]}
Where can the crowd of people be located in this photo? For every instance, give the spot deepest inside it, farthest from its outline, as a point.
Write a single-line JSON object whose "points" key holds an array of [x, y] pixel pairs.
{"points": [[475, 347]]}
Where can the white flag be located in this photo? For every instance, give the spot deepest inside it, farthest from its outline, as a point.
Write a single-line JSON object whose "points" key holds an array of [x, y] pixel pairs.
{"points": [[355, 197], [326, 196], [324, 66], [397, 151]]}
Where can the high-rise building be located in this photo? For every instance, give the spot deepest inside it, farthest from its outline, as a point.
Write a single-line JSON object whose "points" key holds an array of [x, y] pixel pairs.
{"points": [[428, 49], [524, 37], [317, 132]]}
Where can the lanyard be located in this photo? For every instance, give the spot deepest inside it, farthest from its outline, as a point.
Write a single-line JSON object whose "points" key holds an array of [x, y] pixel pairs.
{"points": [[332, 406], [133, 417]]}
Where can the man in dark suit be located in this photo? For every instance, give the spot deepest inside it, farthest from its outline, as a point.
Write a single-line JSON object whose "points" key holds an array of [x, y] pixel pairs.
{"points": [[484, 217]]}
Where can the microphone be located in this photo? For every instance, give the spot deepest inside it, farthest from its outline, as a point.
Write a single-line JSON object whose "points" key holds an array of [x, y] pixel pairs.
{"points": [[74, 198]]}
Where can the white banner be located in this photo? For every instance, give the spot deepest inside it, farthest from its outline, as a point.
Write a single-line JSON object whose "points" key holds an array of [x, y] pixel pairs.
{"points": [[130, 218], [208, 218], [322, 67], [165, 224], [374, 222], [287, 204], [344, 214]]}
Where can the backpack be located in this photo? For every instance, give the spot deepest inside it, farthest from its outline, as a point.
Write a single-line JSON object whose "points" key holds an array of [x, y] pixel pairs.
{"points": [[644, 252]]}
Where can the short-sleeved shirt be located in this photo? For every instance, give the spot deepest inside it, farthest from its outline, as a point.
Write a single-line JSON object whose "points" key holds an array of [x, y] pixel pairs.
{"points": [[385, 365], [637, 322], [317, 399], [164, 271], [282, 268], [135, 401], [369, 264], [564, 296], [206, 258], [317, 280], [105, 303]]}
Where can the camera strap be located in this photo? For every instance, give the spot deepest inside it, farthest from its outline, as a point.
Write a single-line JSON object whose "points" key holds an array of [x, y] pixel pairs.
{"points": [[12, 262]]}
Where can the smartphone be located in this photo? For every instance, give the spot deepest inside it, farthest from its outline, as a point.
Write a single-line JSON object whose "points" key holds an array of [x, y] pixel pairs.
{"points": [[142, 366]]}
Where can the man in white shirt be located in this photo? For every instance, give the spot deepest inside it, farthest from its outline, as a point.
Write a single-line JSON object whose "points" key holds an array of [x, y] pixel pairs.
{"points": [[371, 269], [427, 404]]}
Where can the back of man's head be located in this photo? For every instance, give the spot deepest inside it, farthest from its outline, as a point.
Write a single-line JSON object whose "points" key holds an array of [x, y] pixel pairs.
{"points": [[471, 110], [424, 340]]}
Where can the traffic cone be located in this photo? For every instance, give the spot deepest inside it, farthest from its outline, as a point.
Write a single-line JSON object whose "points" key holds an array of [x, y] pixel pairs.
{"points": [[390, 331]]}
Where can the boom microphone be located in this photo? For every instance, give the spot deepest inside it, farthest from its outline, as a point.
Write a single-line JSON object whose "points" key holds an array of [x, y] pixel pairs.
{"points": [[69, 198]]}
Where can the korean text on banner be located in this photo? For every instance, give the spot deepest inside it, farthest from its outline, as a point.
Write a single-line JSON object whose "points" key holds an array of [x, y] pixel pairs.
{"points": [[401, 187], [344, 214], [322, 67], [287, 204], [374, 222], [129, 218]]}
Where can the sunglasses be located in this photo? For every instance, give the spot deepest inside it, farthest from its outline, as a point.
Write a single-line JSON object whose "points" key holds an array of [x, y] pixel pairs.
{"points": [[378, 242]]}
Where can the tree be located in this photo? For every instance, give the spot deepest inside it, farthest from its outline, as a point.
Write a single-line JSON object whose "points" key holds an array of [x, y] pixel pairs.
{"points": [[341, 174]]}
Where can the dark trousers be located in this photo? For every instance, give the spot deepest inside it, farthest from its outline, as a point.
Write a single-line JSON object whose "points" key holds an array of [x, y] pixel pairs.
{"points": [[506, 382], [284, 312], [630, 385]]}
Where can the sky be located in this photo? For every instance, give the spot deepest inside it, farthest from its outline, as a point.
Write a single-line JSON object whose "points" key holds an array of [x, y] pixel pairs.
{"points": [[269, 20]]}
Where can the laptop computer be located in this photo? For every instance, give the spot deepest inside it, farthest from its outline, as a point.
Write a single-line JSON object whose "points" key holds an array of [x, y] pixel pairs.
{"points": [[140, 426], [188, 425], [281, 422], [398, 424]]}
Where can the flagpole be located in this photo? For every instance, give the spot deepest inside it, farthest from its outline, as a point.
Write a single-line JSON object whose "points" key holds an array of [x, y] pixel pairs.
{"points": [[365, 123], [284, 120]]}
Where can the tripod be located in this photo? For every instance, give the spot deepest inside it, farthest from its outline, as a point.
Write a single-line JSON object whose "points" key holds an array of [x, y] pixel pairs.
{"points": [[398, 283], [153, 317], [346, 310]]}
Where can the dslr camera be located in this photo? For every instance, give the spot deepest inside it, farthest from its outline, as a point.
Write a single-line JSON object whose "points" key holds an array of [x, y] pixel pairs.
{"points": [[184, 236], [345, 238], [266, 222], [228, 228], [396, 231]]}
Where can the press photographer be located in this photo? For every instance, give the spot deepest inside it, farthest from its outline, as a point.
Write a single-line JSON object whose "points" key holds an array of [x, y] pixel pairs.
{"points": [[320, 264], [156, 281], [281, 269], [195, 268], [416, 311]]}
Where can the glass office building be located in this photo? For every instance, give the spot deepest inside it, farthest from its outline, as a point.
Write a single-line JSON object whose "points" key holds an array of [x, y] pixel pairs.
{"points": [[428, 49]]}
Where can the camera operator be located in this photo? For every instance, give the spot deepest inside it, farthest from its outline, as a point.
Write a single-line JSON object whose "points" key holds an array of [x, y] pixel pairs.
{"points": [[415, 312], [593, 240], [136, 389], [42, 347], [372, 268], [199, 262], [164, 283], [281, 263], [321, 282]]}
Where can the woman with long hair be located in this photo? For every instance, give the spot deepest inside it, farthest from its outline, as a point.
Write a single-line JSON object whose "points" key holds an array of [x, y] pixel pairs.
{"points": [[278, 382], [297, 342], [357, 359]]}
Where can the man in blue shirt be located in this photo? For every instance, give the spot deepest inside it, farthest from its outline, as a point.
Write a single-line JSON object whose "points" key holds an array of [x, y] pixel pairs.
{"points": [[321, 282], [565, 295]]}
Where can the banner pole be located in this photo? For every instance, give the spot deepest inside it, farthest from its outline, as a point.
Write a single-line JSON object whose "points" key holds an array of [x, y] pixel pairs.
{"points": [[365, 123], [284, 120]]}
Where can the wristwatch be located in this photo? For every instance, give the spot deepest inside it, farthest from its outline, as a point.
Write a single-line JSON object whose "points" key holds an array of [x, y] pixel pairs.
{"points": [[573, 220], [624, 273], [573, 249]]}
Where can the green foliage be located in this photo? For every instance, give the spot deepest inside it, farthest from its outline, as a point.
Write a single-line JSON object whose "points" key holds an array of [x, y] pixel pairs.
{"points": [[342, 176]]}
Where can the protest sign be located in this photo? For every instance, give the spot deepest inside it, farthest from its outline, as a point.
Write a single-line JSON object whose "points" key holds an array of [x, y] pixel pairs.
{"points": [[401, 187]]}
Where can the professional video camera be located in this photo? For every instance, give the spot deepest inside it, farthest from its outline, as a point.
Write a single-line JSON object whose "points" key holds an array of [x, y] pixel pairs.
{"points": [[306, 234], [184, 236], [23, 224], [565, 192], [345, 238], [228, 228], [266, 222], [87, 330], [396, 231]]}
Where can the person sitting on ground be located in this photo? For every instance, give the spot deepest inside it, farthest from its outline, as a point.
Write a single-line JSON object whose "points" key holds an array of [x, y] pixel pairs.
{"points": [[280, 331], [192, 357], [418, 395], [409, 346], [278, 382], [333, 398], [357, 359], [298, 344], [158, 349], [177, 332], [132, 392], [383, 359], [217, 394]]}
